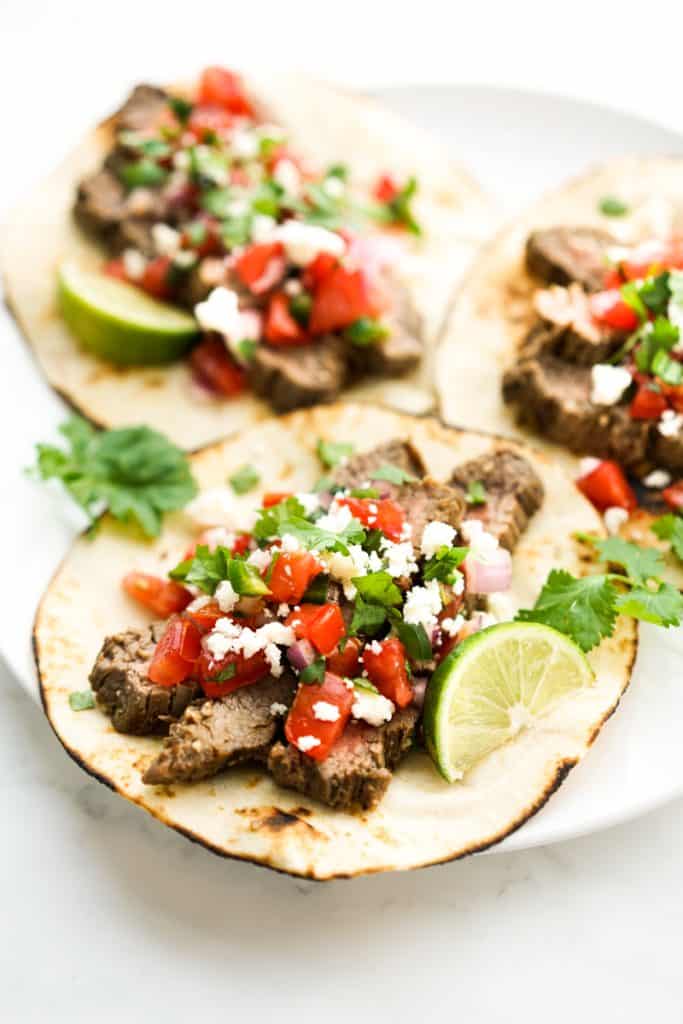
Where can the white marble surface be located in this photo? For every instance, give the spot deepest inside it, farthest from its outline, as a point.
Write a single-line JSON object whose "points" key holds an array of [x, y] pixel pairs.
{"points": [[109, 917]]}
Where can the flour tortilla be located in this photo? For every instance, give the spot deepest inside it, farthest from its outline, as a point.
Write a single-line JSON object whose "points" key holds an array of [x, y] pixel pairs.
{"points": [[493, 308], [242, 813], [327, 126]]}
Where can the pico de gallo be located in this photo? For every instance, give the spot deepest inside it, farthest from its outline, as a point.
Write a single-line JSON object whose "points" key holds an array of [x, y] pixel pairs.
{"points": [[217, 212]]}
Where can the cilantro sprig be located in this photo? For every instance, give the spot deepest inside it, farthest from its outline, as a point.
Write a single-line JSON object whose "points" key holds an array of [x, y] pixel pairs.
{"points": [[586, 608], [206, 569], [133, 472]]}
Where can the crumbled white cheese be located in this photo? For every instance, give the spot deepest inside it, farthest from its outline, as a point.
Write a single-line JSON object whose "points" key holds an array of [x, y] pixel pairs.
{"points": [[452, 626], [293, 286], [283, 610], [373, 708], [303, 242], [608, 383], [423, 604], [287, 174], [184, 259], [166, 239], [670, 423], [345, 567], [228, 637], [289, 543], [657, 478], [436, 535], [237, 208], [614, 518], [375, 647], [481, 543], [334, 186], [218, 535], [273, 656], [199, 602], [219, 312], [325, 711], [226, 596], [336, 519], [309, 501], [181, 160], [244, 144], [459, 585], [399, 558], [260, 559], [262, 227], [277, 709], [587, 465], [134, 263], [306, 743]]}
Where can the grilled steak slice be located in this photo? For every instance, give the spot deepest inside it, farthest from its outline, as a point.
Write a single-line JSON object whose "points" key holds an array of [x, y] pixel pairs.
{"points": [[142, 108], [119, 680], [215, 734], [561, 255], [513, 493], [553, 398], [428, 500], [394, 355], [294, 377], [100, 203], [357, 470], [667, 451], [358, 769], [568, 329]]}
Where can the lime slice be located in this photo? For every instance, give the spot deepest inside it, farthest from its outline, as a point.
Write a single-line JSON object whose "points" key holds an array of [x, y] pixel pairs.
{"points": [[118, 322], [493, 685]]}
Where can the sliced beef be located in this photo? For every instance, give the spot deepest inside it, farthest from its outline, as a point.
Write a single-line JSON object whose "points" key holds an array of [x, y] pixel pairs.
{"points": [[667, 451], [569, 330], [564, 254], [119, 680], [357, 470], [100, 203], [514, 491], [553, 398], [427, 500], [215, 734], [290, 378], [393, 356], [142, 108], [358, 769]]}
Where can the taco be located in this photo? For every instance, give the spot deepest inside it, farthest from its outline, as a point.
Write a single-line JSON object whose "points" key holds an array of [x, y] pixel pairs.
{"points": [[567, 328], [268, 676], [267, 244]]}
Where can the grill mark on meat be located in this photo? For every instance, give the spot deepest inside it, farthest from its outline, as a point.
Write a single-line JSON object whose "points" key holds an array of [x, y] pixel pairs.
{"points": [[514, 492], [119, 680], [357, 771], [568, 330], [358, 469], [216, 734], [561, 255]]}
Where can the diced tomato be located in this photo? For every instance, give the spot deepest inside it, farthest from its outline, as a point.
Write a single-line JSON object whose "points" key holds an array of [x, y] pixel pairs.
{"points": [[387, 670], [609, 308], [607, 487], [342, 297], [385, 189], [261, 266], [176, 654], [206, 617], [241, 543], [222, 88], [163, 597], [673, 495], [115, 268], [302, 721], [322, 624], [647, 404], [379, 514], [346, 662], [673, 394], [209, 120], [214, 367], [291, 575], [218, 677], [280, 327], [156, 278], [211, 243], [613, 279], [653, 257], [239, 176], [271, 498], [323, 264]]}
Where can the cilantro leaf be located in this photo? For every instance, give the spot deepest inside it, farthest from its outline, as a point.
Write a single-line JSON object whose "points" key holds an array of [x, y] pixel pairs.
{"points": [[142, 173], [225, 674], [81, 700], [663, 606], [378, 588], [641, 564], [181, 107], [476, 493], [316, 539], [361, 683], [367, 618], [331, 453], [394, 474], [206, 569], [413, 637], [366, 331], [244, 479], [267, 524], [670, 527], [655, 293], [313, 673], [444, 564], [611, 206], [658, 336], [631, 296], [135, 472], [584, 609]]}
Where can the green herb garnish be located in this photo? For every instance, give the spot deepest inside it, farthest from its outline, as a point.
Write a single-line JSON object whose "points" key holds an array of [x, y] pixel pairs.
{"points": [[181, 107], [331, 453], [611, 206], [81, 700], [207, 569], [366, 331], [394, 474], [443, 565], [476, 493], [413, 637], [143, 173], [244, 479], [313, 673], [225, 674]]}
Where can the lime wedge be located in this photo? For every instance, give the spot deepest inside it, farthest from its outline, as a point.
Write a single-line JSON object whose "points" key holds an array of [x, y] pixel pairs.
{"points": [[118, 322], [494, 684]]}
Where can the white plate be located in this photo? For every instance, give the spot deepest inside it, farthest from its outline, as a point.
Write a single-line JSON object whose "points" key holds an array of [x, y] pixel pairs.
{"points": [[518, 144]]}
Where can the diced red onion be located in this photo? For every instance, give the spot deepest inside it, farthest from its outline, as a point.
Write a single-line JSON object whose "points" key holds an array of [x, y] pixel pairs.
{"points": [[301, 654], [491, 576], [325, 499], [274, 271], [419, 684]]}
